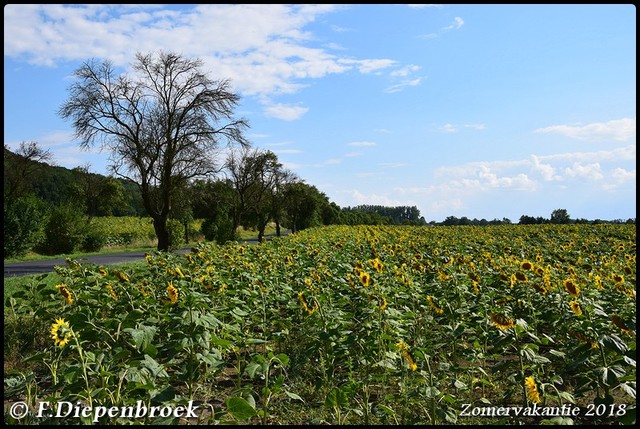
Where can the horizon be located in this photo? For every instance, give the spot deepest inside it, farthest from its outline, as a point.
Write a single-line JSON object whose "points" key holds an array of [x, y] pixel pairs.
{"points": [[476, 111]]}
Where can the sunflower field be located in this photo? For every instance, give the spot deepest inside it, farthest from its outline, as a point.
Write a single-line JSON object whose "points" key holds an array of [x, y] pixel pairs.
{"points": [[504, 324]]}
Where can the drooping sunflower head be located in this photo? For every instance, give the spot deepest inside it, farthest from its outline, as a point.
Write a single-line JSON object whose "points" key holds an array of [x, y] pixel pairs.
{"points": [[520, 277], [65, 292], [61, 332], [617, 278], [122, 276], [619, 323], [365, 279], [532, 390], [571, 288], [502, 322], [575, 307], [172, 291]]}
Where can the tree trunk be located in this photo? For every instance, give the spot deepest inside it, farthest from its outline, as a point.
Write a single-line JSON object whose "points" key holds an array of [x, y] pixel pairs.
{"points": [[261, 227], [160, 226]]}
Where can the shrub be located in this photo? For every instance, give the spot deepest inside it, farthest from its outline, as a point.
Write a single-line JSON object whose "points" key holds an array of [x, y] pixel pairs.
{"points": [[24, 219], [93, 239], [63, 231]]}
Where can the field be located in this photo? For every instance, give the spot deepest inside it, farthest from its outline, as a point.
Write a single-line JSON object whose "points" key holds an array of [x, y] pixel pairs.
{"points": [[505, 324]]}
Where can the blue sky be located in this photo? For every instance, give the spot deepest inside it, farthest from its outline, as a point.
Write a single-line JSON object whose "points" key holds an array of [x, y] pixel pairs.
{"points": [[483, 111]]}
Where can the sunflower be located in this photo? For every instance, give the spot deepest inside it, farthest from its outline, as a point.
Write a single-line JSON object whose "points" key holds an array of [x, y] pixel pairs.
{"points": [[376, 264], [575, 307], [502, 322], [122, 276], [365, 279], [532, 390], [305, 304], [435, 308], [520, 276], [66, 293], [61, 332], [383, 303], [404, 348], [111, 291], [173, 293], [617, 278], [585, 339], [179, 271], [571, 288], [619, 323], [526, 265]]}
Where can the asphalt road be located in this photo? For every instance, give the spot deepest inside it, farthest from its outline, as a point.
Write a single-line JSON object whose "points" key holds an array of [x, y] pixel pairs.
{"points": [[46, 266]]}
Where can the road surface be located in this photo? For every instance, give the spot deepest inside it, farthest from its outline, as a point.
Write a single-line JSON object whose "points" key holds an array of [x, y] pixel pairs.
{"points": [[46, 266]]}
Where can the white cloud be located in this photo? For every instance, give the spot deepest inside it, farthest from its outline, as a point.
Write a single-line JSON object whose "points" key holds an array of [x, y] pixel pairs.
{"points": [[405, 71], [588, 171], [619, 177], [285, 112], [402, 85], [375, 199], [457, 23], [547, 171], [263, 49], [448, 128], [619, 130]]}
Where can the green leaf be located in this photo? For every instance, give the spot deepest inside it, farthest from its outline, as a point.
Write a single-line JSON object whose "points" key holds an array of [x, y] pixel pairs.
{"points": [[252, 368], [284, 359], [209, 359], [293, 396], [240, 409], [142, 335], [220, 342], [153, 366], [628, 389]]}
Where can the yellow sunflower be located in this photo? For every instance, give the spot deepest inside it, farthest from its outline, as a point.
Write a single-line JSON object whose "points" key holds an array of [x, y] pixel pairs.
{"points": [[365, 279], [532, 390], [66, 293], [502, 322], [61, 333], [173, 293], [575, 307], [571, 288]]}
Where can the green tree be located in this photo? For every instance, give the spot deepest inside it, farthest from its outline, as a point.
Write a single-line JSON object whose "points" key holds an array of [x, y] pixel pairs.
{"points": [[560, 216], [213, 202], [101, 195], [163, 124], [302, 206], [22, 167]]}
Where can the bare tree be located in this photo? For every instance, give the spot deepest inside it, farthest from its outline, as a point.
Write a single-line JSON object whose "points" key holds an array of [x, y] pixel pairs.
{"points": [[162, 126]]}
